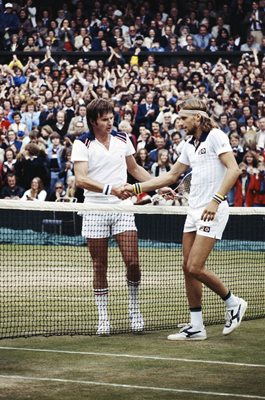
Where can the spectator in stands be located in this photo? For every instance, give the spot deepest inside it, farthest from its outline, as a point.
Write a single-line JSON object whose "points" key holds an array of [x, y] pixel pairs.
{"points": [[31, 10], [36, 191], [236, 147], [4, 122], [217, 29], [61, 126], [261, 135], [67, 168], [12, 141], [255, 22], [57, 192], [55, 158], [8, 166], [257, 185], [250, 44], [18, 125], [9, 24], [125, 126], [11, 190], [162, 165], [29, 164], [80, 116], [191, 46], [223, 123], [160, 144], [251, 160], [30, 117], [146, 112], [142, 158], [48, 115], [177, 144], [202, 38], [243, 197]]}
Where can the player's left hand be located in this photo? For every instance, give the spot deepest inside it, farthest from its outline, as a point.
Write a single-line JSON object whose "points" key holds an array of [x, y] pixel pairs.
{"points": [[167, 192], [210, 211]]}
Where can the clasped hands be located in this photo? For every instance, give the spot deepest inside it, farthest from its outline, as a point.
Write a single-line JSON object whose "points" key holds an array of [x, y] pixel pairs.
{"points": [[125, 191]]}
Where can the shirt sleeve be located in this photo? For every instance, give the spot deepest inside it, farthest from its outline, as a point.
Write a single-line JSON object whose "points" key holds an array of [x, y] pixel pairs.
{"points": [[220, 142], [79, 151], [184, 158], [130, 149]]}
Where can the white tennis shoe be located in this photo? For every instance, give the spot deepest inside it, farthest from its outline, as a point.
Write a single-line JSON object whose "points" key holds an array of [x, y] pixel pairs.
{"points": [[233, 317], [137, 322], [189, 333], [103, 328]]}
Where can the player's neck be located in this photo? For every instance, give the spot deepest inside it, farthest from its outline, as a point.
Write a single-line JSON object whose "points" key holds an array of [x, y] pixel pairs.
{"points": [[104, 139], [197, 134]]}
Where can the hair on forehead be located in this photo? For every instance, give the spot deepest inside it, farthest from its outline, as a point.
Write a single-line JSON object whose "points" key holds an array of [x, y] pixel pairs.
{"points": [[98, 107]]}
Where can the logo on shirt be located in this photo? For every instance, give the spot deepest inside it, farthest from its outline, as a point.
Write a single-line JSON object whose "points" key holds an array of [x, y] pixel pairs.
{"points": [[205, 229], [202, 151]]}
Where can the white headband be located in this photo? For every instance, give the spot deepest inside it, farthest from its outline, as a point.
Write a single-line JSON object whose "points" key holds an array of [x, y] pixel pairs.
{"points": [[186, 113]]}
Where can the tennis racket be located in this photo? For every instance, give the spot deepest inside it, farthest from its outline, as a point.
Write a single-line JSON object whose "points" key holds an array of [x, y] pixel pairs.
{"points": [[182, 190]]}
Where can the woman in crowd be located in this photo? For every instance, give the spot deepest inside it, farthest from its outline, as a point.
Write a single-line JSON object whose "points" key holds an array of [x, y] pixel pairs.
{"points": [[36, 191]]}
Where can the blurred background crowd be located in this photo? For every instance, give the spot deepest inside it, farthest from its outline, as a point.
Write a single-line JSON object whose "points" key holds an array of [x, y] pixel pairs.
{"points": [[43, 95]]}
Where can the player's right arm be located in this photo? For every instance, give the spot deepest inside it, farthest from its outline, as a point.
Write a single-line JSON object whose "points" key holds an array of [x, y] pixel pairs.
{"points": [[82, 179], [163, 180]]}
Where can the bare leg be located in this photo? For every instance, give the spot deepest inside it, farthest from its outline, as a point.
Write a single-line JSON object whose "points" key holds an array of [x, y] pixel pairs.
{"points": [[196, 251], [99, 252], [128, 244], [98, 249]]}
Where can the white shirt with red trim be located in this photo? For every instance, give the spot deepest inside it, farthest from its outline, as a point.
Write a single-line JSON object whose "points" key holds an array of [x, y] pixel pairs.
{"points": [[107, 166]]}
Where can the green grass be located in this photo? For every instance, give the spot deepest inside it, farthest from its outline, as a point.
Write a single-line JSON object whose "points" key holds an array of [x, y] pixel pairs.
{"points": [[163, 365], [48, 289]]}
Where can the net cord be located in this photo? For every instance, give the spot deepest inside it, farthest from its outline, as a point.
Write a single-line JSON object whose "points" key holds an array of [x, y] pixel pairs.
{"points": [[120, 207]]}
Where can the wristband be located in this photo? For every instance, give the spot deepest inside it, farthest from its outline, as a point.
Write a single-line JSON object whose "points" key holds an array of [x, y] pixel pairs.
{"points": [[137, 188], [107, 189], [218, 198]]}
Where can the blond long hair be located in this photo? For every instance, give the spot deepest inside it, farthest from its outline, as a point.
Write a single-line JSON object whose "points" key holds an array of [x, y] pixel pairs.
{"points": [[207, 123]]}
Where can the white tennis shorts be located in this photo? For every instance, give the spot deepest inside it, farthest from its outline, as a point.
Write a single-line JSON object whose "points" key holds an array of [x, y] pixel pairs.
{"points": [[98, 225], [212, 229]]}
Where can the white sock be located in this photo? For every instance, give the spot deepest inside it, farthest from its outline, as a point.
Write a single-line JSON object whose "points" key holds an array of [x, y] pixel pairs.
{"points": [[133, 289], [232, 301], [101, 299], [196, 317]]}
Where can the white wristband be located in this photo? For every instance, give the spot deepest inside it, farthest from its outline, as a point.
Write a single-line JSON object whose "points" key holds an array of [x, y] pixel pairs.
{"points": [[107, 189]]}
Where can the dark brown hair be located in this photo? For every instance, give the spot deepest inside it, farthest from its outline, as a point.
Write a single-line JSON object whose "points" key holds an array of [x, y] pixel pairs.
{"points": [[97, 108]]}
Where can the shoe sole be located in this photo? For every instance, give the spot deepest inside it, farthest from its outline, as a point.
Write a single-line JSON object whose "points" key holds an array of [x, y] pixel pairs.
{"points": [[186, 339], [244, 306], [103, 334]]}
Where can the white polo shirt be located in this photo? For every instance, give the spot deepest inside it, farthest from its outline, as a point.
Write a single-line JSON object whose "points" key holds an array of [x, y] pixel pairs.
{"points": [[207, 169], [107, 166]]}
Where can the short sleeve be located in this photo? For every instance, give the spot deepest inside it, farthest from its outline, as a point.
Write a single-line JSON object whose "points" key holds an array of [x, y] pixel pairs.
{"points": [[184, 158], [220, 142], [79, 151]]}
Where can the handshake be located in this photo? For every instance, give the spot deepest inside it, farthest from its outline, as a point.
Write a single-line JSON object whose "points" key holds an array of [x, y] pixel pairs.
{"points": [[127, 190], [123, 192]]}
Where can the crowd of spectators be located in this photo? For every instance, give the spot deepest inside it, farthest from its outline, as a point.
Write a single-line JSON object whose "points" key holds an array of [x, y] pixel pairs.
{"points": [[43, 100]]}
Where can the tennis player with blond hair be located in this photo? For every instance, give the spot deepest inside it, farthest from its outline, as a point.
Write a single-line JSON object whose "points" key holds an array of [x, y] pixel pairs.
{"points": [[101, 159], [214, 172]]}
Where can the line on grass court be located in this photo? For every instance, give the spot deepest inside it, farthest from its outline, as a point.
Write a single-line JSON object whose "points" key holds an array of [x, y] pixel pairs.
{"points": [[89, 353], [124, 386]]}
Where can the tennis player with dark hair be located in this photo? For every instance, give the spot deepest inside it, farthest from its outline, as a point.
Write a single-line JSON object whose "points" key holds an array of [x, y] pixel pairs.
{"points": [[214, 172], [101, 160]]}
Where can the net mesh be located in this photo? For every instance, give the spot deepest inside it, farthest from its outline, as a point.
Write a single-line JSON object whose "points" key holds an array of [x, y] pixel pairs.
{"points": [[46, 277]]}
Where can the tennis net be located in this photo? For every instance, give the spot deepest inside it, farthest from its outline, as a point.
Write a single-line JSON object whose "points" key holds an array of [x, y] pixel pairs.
{"points": [[46, 273]]}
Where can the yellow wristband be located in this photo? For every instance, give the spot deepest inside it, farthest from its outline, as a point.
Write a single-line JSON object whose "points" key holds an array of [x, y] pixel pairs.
{"points": [[137, 188]]}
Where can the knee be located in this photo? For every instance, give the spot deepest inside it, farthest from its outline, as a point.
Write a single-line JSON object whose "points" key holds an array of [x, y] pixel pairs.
{"points": [[193, 271]]}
